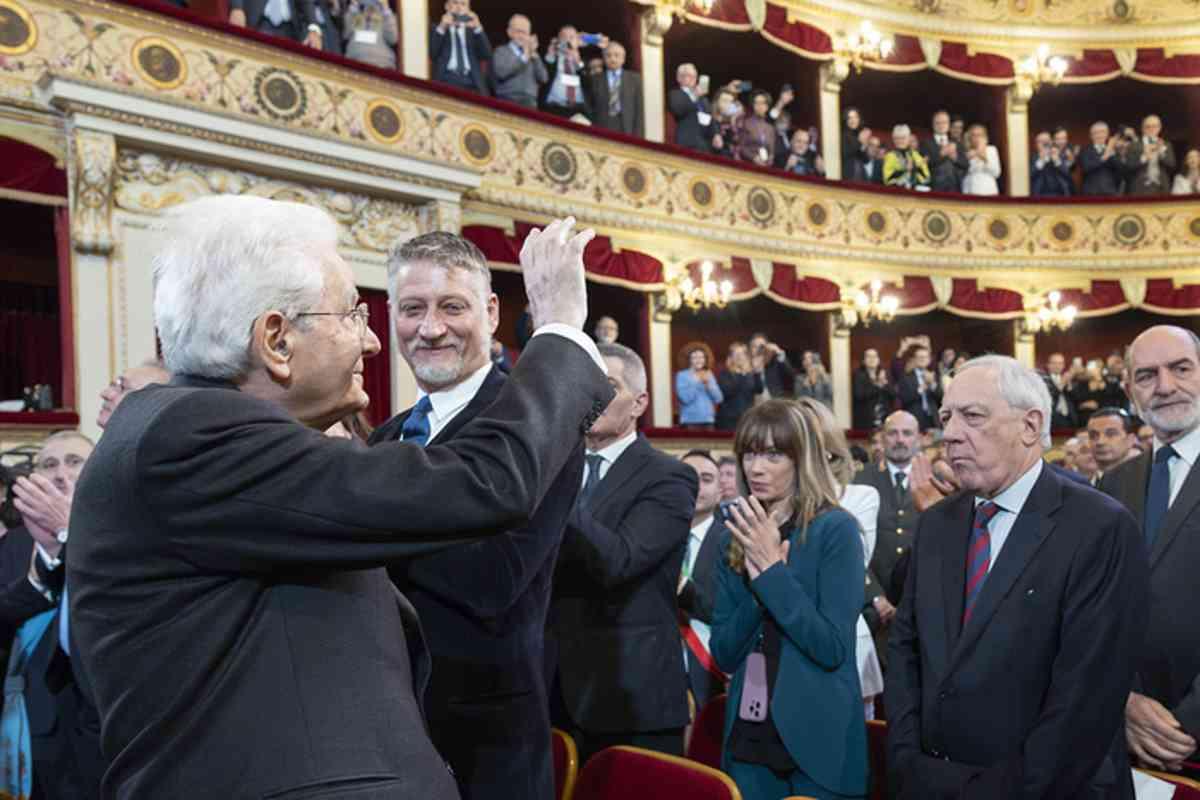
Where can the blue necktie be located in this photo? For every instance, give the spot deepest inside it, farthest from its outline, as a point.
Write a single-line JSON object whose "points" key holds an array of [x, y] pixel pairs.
{"points": [[1158, 500], [416, 427], [64, 623], [594, 461]]}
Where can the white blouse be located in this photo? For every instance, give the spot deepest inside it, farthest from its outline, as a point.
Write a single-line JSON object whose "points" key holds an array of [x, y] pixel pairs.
{"points": [[981, 175]]}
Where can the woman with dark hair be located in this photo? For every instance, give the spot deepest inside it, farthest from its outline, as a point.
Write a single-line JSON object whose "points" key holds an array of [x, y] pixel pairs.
{"points": [[789, 594], [855, 138], [756, 135]]}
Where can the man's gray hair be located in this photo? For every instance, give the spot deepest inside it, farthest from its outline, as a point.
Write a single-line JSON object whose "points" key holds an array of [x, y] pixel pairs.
{"points": [[633, 369], [225, 262], [901, 130], [441, 249], [59, 436], [1021, 387]]}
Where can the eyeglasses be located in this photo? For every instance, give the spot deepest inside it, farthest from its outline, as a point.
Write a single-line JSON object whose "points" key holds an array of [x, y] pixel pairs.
{"points": [[361, 314]]}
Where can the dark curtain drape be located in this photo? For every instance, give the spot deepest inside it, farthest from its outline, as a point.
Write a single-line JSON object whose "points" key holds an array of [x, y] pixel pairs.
{"points": [[24, 168], [377, 371], [29, 339]]}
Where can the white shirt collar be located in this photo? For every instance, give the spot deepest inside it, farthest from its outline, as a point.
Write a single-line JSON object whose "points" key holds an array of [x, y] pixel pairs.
{"points": [[1013, 498], [1188, 447], [448, 402], [611, 453], [701, 530], [894, 468]]}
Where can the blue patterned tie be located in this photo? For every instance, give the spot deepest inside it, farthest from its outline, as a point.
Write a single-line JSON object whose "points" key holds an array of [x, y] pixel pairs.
{"points": [[1158, 500], [979, 555], [416, 427], [594, 461]]}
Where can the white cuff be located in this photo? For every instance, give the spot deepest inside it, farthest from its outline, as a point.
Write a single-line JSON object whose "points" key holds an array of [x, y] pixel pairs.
{"points": [[51, 563], [578, 337]]}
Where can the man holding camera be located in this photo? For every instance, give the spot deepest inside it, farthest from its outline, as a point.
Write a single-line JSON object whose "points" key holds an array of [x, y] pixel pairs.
{"points": [[1151, 160], [1049, 173], [458, 47], [566, 97]]}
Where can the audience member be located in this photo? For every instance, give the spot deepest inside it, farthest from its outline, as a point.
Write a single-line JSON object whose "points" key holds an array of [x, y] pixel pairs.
{"points": [[1067, 153], [517, 68], [1070, 453], [854, 146], [756, 135], [606, 331], [727, 118], [1058, 383], [1048, 175], [983, 170], [696, 390], [976, 683], [1162, 715], [784, 622], [1150, 160], [1100, 164], [919, 390], [694, 127], [566, 96], [698, 581], [499, 356], [594, 66], [1085, 460], [739, 384], [487, 708], [729, 486], [958, 127], [801, 158], [370, 30], [903, 166], [1188, 180], [284, 529], [782, 121], [814, 382], [873, 164], [770, 363], [288, 19], [1146, 437], [458, 48], [617, 94], [328, 16], [619, 679], [1112, 435], [1091, 391], [947, 162], [873, 395], [132, 379]]}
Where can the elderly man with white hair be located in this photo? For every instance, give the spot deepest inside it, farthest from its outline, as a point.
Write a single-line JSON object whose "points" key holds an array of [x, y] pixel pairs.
{"points": [[694, 125], [226, 575], [1013, 650], [904, 165]]}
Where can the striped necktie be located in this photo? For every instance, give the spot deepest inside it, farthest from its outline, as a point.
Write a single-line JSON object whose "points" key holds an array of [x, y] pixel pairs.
{"points": [[416, 428], [979, 555]]}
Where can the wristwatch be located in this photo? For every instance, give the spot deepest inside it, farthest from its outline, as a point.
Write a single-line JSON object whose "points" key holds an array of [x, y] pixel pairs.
{"points": [[61, 536]]}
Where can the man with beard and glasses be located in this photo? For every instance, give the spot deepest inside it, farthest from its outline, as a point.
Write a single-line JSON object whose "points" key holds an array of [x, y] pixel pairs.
{"points": [[1162, 489], [482, 606]]}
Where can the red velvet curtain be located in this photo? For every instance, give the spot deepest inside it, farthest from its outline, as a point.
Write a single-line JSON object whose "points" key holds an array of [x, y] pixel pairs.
{"points": [[25, 168], [65, 392], [377, 371], [30, 352]]}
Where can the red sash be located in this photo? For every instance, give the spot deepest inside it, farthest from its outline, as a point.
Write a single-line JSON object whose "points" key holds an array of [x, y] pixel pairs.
{"points": [[698, 650]]}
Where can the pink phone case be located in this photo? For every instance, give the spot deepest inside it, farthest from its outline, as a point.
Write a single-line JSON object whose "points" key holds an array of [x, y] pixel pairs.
{"points": [[753, 707]]}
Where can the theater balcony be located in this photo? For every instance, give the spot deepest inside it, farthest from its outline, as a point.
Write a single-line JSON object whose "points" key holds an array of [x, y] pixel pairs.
{"points": [[112, 112]]}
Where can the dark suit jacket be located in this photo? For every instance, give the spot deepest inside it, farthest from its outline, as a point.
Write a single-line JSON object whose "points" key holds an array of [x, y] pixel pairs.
{"points": [[630, 120], [1139, 173], [697, 600], [896, 523], [688, 130], [440, 48], [739, 392], [614, 617], [868, 398], [779, 377], [1169, 666], [1050, 180], [1057, 419], [483, 609], [1101, 176], [303, 13], [1028, 700], [875, 165], [227, 590], [910, 397], [945, 174]]}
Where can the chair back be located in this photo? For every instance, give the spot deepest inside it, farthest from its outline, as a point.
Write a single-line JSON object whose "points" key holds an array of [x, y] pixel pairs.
{"points": [[628, 773], [707, 733], [566, 764], [877, 757]]}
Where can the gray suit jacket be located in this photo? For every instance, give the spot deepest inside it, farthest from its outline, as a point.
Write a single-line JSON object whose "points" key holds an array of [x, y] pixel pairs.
{"points": [[630, 119], [518, 81], [893, 538]]}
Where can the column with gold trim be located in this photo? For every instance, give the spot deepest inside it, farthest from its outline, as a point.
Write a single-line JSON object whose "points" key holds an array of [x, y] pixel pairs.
{"points": [[1016, 118], [829, 86], [655, 23]]}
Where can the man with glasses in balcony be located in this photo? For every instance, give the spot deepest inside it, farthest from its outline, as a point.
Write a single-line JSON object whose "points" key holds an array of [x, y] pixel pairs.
{"points": [[458, 47]]}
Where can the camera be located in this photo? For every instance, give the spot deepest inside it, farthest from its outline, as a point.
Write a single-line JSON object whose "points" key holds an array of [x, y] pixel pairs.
{"points": [[589, 38], [9, 516], [462, 17]]}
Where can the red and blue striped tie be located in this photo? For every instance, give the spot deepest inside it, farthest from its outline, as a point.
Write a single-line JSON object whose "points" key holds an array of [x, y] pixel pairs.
{"points": [[979, 555]]}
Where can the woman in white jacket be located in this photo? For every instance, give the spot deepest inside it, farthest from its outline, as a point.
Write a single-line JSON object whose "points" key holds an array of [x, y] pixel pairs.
{"points": [[983, 163]]}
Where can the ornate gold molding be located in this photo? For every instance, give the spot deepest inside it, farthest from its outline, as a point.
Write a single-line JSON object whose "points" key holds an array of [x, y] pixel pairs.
{"points": [[95, 156]]}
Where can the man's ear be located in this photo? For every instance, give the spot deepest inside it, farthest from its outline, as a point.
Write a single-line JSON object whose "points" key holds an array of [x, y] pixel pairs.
{"points": [[1033, 426], [273, 344], [640, 403]]}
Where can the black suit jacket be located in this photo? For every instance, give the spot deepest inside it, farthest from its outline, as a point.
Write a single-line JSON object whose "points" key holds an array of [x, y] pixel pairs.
{"points": [[441, 47], [303, 14], [910, 397], [869, 399], [1169, 666], [779, 377], [697, 600], [630, 119], [945, 174], [614, 615], [227, 590], [1028, 700], [1101, 176], [1057, 418], [483, 609], [688, 130], [895, 525]]}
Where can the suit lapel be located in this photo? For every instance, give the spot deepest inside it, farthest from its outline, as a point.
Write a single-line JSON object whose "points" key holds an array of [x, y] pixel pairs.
{"points": [[1032, 526], [488, 390], [953, 532], [1181, 509], [1139, 478], [620, 472]]}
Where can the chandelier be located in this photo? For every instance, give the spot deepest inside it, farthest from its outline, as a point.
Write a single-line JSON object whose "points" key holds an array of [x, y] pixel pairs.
{"points": [[868, 308], [682, 290], [1041, 67], [1048, 316], [865, 44]]}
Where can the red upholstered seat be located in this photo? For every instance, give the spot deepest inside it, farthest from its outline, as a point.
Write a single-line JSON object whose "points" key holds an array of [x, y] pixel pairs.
{"points": [[707, 733], [1185, 788], [877, 756], [566, 764], [631, 773]]}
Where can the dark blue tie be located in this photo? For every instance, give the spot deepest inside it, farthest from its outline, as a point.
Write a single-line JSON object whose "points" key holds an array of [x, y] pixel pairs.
{"points": [[594, 461], [1158, 499], [416, 427]]}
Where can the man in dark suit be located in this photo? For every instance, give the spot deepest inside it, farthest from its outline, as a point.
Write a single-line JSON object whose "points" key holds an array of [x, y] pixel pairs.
{"points": [[225, 571], [1013, 650], [458, 47], [483, 606], [1101, 164], [919, 389], [1162, 490], [872, 167], [1112, 433], [1058, 383], [897, 517], [694, 124], [770, 362], [698, 580], [947, 159], [289, 19], [616, 95], [614, 618]]}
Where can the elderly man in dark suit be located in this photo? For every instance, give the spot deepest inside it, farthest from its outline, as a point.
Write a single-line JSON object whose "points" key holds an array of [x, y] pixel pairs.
{"points": [[947, 158], [1014, 648], [1101, 163], [289, 19], [698, 580], [1150, 160], [616, 94], [225, 571], [458, 48], [483, 606], [614, 618], [517, 68], [1162, 490], [694, 124]]}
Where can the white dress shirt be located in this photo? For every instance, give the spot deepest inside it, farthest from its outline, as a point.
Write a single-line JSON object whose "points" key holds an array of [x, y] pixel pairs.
{"points": [[610, 454], [448, 403], [1010, 502], [862, 503], [906, 471], [695, 542], [1188, 449]]}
